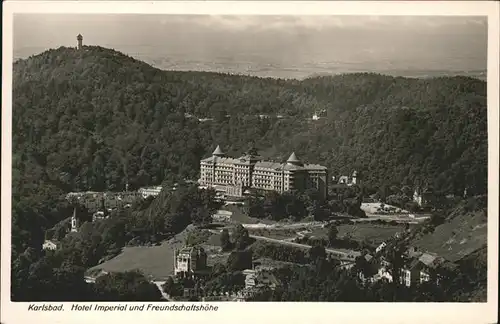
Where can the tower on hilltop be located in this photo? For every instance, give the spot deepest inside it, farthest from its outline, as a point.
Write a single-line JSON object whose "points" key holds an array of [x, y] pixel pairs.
{"points": [[79, 38]]}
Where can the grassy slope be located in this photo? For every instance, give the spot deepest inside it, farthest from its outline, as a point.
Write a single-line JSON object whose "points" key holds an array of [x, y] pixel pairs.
{"points": [[460, 236], [371, 232], [157, 261]]}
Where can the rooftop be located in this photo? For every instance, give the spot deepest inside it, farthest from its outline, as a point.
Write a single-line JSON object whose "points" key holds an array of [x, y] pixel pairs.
{"points": [[218, 151], [429, 259], [190, 249], [293, 158], [292, 163]]}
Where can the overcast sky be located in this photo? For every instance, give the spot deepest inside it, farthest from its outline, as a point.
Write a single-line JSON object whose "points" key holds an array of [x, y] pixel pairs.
{"points": [[457, 43]]}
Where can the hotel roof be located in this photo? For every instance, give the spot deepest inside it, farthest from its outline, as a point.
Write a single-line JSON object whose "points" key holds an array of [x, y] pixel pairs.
{"points": [[293, 158], [292, 164], [218, 151]]}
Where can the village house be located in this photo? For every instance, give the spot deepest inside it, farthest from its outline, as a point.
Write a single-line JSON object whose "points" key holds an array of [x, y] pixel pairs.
{"points": [[423, 197], [346, 180], [380, 247], [256, 280], [146, 192], [49, 245], [92, 275], [420, 269], [384, 271], [99, 201], [190, 261], [222, 216]]}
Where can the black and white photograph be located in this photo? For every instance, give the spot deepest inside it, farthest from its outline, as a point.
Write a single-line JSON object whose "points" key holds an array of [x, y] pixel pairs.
{"points": [[178, 158]]}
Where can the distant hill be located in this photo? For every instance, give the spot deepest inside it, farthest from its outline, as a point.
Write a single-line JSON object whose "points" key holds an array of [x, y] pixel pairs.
{"points": [[97, 119], [261, 66]]}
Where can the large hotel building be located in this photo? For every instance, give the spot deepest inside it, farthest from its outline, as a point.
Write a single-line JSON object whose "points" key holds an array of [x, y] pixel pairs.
{"points": [[234, 176]]}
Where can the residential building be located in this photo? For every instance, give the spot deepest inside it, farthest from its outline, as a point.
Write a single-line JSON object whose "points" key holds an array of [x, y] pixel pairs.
{"points": [[234, 175], [99, 215], [411, 274], [189, 261], [423, 197], [348, 180], [49, 245], [420, 269], [260, 279], [430, 262], [380, 247], [95, 201], [222, 216], [384, 271], [250, 276], [145, 192]]}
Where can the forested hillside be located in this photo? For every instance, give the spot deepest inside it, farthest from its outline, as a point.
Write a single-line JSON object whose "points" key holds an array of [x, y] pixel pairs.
{"points": [[96, 119]]}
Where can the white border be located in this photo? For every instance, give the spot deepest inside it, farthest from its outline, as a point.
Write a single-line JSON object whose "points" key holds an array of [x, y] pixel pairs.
{"points": [[266, 312]]}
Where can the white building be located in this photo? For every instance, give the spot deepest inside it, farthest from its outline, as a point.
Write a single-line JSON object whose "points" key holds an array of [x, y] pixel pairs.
{"points": [[235, 175], [49, 245], [75, 222], [150, 191], [380, 247], [222, 216], [189, 260]]}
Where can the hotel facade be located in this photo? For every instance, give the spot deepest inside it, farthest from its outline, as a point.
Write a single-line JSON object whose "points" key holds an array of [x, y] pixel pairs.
{"points": [[234, 175]]}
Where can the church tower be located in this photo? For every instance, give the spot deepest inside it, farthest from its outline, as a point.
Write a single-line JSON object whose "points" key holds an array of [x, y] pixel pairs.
{"points": [[354, 180], [74, 222], [79, 38]]}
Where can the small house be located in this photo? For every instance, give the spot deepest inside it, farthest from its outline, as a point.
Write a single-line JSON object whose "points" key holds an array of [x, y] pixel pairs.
{"points": [[49, 245], [423, 197]]}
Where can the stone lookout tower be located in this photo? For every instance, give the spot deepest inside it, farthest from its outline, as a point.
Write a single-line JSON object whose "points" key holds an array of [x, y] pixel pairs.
{"points": [[79, 38]]}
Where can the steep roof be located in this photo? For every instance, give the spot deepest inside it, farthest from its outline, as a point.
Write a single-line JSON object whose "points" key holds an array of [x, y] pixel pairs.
{"points": [[414, 263], [429, 259], [293, 158], [268, 165], [218, 151]]}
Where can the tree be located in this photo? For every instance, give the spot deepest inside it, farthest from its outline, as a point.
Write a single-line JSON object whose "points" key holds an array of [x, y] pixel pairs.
{"points": [[241, 237], [317, 253], [225, 240], [332, 233], [239, 260], [126, 286]]}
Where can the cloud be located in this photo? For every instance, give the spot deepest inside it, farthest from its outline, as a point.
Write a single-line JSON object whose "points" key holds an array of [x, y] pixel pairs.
{"points": [[325, 22]]}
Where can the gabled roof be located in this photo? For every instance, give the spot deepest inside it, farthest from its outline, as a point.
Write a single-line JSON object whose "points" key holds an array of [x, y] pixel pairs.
{"points": [[218, 151], [267, 278], [414, 263], [429, 259]]}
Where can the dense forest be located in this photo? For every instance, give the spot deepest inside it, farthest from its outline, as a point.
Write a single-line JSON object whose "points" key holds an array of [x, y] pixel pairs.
{"points": [[96, 119]]}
